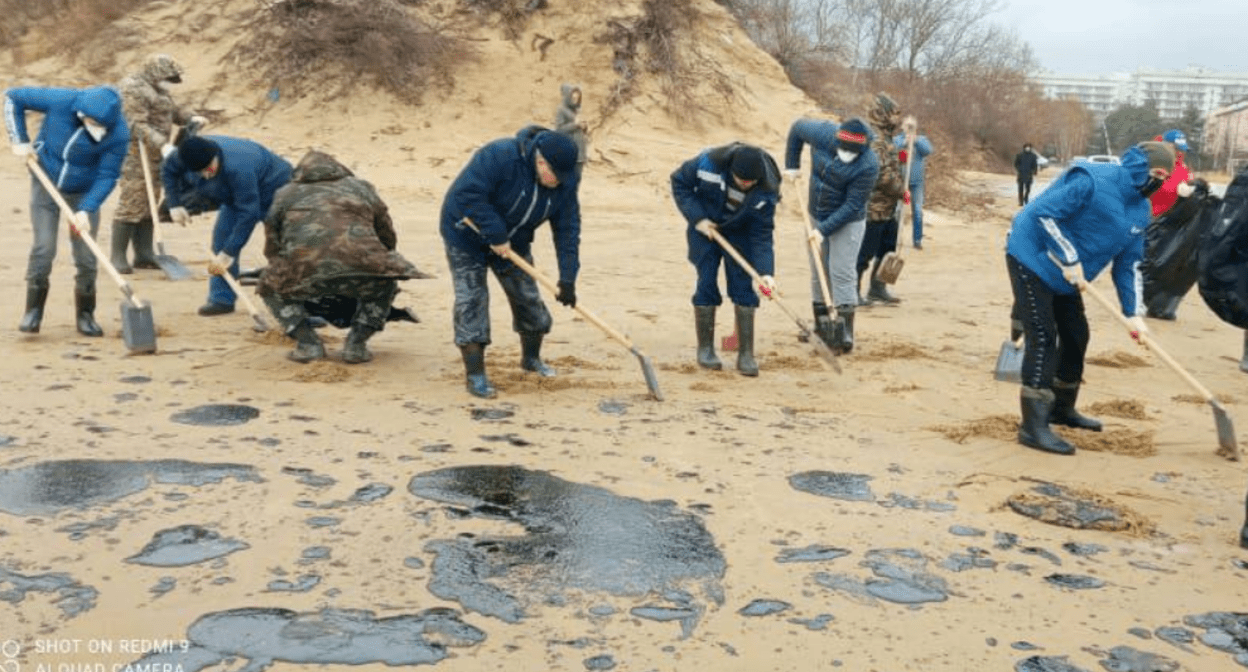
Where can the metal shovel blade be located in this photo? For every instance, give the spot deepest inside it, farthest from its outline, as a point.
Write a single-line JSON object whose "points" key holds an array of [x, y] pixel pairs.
{"points": [[1228, 447], [138, 328], [890, 268], [652, 380], [174, 269], [1010, 362]]}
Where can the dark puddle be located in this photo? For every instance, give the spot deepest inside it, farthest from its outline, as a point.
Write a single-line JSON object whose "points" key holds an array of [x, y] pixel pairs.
{"points": [[1046, 664], [50, 487], [900, 577], [837, 485], [329, 637], [814, 553], [185, 545], [1057, 505], [216, 415], [1127, 659], [578, 538], [71, 597]]}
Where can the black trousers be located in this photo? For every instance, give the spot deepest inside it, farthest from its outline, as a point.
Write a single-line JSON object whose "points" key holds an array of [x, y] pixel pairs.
{"points": [[879, 238], [1024, 191], [1055, 327]]}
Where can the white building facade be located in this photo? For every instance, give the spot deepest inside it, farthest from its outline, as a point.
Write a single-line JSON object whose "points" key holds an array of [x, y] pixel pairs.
{"points": [[1173, 91]]}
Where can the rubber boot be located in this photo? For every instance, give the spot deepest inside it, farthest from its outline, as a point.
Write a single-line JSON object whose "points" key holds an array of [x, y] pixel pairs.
{"points": [[704, 324], [825, 326], [36, 297], [879, 292], [355, 350], [122, 232], [144, 253], [84, 303], [309, 346], [531, 354], [1034, 431], [1243, 360], [745, 341], [862, 300], [844, 343], [474, 366], [1064, 413]]}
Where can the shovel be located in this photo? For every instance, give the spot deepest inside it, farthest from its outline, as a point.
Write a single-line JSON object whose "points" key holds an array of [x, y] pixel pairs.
{"points": [[1227, 445], [138, 329], [821, 348], [815, 259], [889, 268], [1010, 362], [174, 269], [647, 367], [259, 323]]}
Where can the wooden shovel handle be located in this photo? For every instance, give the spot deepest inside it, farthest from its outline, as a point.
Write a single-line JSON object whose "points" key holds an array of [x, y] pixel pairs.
{"points": [[151, 194], [230, 280], [32, 162], [816, 253]]}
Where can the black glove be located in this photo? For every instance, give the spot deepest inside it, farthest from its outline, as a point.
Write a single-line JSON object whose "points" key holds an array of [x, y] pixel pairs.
{"points": [[1202, 187], [567, 294]]}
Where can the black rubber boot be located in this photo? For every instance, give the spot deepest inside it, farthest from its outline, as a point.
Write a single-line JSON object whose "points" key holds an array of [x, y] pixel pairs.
{"points": [[879, 292], [862, 300], [355, 350], [474, 366], [122, 231], [1064, 413], [704, 324], [1034, 431], [84, 302], [308, 346], [745, 341], [531, 354], [144, 252], [844, 343], [36, 297], [825, 326]]}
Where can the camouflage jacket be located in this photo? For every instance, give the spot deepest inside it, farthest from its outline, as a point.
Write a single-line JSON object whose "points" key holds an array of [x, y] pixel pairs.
{"points": [[882, 205], [149, 110], [327, 224]]}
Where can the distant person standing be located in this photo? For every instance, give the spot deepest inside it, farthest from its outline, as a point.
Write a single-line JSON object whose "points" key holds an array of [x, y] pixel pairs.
{"points": [[1025, 166], [567, 122], [922, 149]]}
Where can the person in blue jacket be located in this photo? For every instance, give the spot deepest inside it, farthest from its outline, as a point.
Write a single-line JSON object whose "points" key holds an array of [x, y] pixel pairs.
{"points": [[922, 149], [732, 189], [82, 144], [1091, 216], [240, 176], [843, 170], [509, 188]]}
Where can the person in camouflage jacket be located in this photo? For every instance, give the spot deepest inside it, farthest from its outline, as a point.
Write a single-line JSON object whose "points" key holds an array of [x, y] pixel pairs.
{"points": [[151, 113], [328, 233], [880, 237]]}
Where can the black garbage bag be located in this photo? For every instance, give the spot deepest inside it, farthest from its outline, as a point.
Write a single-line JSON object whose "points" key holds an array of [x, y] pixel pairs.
{"points": [[338, 311], [1170, 249], [1223, 257]]}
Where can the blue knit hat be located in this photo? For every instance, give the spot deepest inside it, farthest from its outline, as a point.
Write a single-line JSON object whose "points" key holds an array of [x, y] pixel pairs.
{"points": [[196, 152], [560, 152]]}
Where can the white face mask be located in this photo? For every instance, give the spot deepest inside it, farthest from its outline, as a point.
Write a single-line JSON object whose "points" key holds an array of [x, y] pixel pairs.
{"points": [[96, 131], [846, 156]]}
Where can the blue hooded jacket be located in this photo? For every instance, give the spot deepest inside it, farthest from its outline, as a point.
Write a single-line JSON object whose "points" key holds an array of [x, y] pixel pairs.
{"points": [[76, 163], [499, 191], [244, 185], [1092, 214], [838, 191], [922, 147]]}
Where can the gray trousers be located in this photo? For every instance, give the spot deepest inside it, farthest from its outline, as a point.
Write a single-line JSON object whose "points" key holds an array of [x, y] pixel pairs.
{"points": [[839, 253], [45, 220], [374, 297], [472, 295]]}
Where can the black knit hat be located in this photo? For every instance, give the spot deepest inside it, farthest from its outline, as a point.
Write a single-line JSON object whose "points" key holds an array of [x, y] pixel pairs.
{"points": [[853, 136], [747, 164], [560, 153], [196, 152]]}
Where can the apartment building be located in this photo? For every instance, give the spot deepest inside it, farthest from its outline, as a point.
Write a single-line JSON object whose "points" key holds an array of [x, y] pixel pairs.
{"points": [[1173, 91]]}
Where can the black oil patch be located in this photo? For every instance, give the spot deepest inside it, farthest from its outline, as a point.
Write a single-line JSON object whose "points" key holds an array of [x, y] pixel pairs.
{"points": [[687, 616], [216, 415], [837, 485], [1058, 505], [371, 493], [1084, 550], [900, 577], [578, 537], [49, 487], [603, 662], [974, 558], [303, 584], [612, 407], [764, 607], [1127, 659], [964, 531], [1226, 631], [72, 597], [6, 440], [309, 477], [490, 414], [1177, 636], [185, 545], [813, 553], [328, 637], [1075, 581], [1046, 664], [815, 624]]}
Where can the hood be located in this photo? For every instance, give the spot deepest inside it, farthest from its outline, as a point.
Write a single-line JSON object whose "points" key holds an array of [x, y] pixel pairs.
{"points": [[1135, 162], [566, 90], [160, 68], [317, 166], [101, 103]]}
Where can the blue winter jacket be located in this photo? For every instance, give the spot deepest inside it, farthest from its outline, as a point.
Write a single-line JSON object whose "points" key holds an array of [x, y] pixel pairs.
{"points": [[244, 185], [75, 162], [922, 147], [700, 187], [1092, 214], [838, 191], [499, 191]]}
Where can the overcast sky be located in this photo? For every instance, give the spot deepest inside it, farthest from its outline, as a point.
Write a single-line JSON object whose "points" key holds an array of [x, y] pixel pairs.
{"points": [[1104, 36]]}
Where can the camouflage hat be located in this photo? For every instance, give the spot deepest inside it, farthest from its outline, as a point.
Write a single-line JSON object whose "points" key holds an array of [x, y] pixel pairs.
{"points": [[886, 111], [162, 67]]}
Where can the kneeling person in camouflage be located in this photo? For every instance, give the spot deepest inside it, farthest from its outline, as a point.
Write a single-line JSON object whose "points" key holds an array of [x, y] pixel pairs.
{"points": [[327, 234]]}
